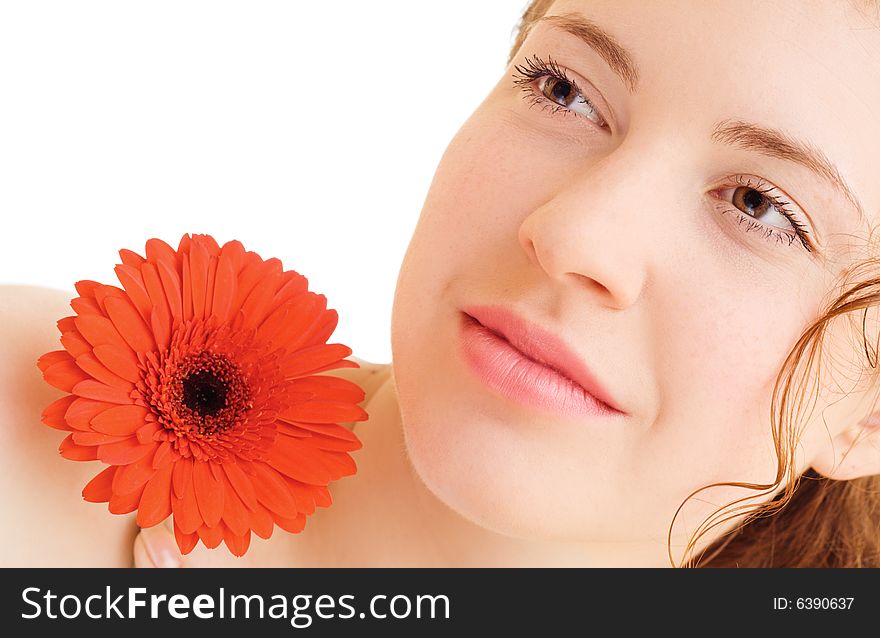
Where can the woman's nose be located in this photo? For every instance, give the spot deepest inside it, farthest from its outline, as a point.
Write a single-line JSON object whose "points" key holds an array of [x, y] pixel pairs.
{"points": [[593, 235]]}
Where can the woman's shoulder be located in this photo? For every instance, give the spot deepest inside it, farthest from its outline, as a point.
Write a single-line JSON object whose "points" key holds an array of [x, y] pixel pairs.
{"points": [[46, 520]]}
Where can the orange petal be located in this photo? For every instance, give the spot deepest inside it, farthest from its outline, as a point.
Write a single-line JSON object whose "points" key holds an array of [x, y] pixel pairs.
{"points": [[187, 290], [212, 536], [198, 272], [262, 522], [258, 302], [74, 343], [120, 420], [53, 414], [235, 514], [186, 510], [65, 375], [147, 432], [181, 478], [161, 324], [134, 475], [130, 325], [99, 489], [153, 283], [173, 289], [330, 388], [242, 484], [323, 331], [292, 459], [303, 338], [94, 438], [321, 411], [209, 493], [326, 442], [317, 358], [91, 389], [210, 285], [155, 505], [85, 306], [164, 455], [293, 525], [74, 452], [186, 542], [325, 429], [237, 544], [125, 503], [90, 364], [225, 285], [81, 412], [130, 258], [51, 358], [273, 492], [124, 452], [120, 361], [99, 330], [158, 251], [131, 280]]}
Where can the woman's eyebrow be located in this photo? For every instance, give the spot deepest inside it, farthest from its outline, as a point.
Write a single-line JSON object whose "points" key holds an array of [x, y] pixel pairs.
{"points": [[598, 39], [752, 137], [777, 144]]}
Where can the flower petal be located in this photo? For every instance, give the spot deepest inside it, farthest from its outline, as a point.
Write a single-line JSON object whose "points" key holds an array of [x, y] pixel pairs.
{"points": [[131, 279], [155, 505], [316, 359], [235, 514], [99, 489], [186, 542], [181, 477], [120, 420], [273, 492], [242, 484], [74, 452], [130, 325], [125, 503], [120, 361], [237, 543], [212, 536], [81, 412], [186, 509], [209, 493], [90, 364], [134, 475], [91, 389], [65, 375], [124, 452], [99, 330], [322, 411], [53, 414]]}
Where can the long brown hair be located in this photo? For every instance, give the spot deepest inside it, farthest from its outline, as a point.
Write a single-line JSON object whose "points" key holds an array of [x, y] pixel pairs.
{"points": [[813, 521]]}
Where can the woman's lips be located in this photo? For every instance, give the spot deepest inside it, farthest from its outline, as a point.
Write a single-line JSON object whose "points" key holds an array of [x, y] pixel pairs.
{"points": [[513, 374]]}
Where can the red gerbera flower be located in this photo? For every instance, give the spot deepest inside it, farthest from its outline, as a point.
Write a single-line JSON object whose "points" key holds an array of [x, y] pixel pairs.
{"points": [[196, 382]]}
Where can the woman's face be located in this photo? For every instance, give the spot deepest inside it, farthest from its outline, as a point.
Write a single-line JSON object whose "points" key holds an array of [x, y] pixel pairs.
{"points": [[650, 232]]}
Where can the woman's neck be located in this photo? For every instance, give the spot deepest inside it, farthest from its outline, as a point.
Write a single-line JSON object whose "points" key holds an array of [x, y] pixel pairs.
{"points": [[385, 516]]}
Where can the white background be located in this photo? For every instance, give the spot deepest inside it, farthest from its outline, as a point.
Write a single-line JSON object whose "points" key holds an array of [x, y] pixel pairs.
{"points": [[310, 131]]}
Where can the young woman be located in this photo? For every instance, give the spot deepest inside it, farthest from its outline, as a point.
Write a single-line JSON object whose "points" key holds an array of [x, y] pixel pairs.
{"points": [[635, 325]]}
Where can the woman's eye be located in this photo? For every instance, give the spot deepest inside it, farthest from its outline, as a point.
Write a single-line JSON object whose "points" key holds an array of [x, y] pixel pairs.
{"points": [[555, 90], [567, 96], [755, 204], [765, 213]]}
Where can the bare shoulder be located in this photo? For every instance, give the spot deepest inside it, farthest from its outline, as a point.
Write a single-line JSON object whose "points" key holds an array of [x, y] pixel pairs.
{"points": [[46, 520]]}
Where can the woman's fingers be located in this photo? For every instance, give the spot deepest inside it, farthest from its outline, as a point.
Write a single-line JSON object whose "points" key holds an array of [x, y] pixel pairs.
{"points": [[155, 547]]}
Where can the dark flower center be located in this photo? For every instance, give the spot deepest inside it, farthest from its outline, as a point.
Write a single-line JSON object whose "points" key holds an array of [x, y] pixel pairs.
{"points": [[204, 393]]}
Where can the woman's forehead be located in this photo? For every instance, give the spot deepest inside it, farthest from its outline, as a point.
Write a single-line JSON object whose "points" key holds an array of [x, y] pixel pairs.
{"points": [[810, 68]]}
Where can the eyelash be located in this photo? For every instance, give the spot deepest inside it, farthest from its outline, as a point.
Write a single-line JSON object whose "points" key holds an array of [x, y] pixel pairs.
{"points": [[537, 68], [781, 206]]}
